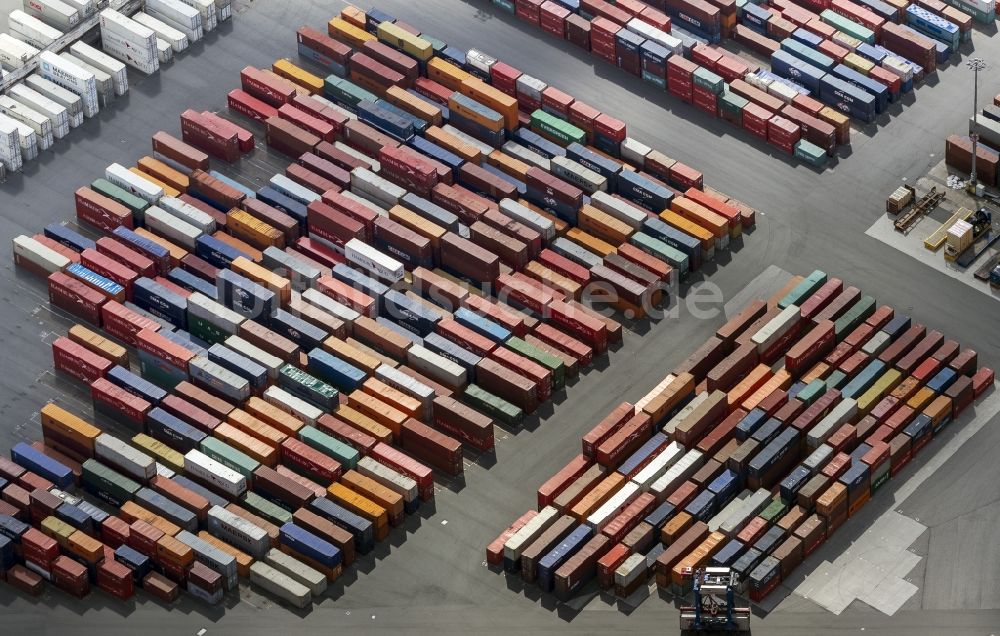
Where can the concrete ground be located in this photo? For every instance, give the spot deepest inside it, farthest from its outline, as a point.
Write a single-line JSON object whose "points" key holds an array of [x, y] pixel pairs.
{"points": [[430, 576]]}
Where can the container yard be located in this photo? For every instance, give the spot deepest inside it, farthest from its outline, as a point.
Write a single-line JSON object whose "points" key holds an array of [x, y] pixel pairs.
{"points": [[338, 304]]}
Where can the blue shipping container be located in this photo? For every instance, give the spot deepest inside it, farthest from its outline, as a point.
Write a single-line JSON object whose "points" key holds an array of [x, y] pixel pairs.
{"points": [[241, 365], [750, 423], [173, 431], [122, 377], [187, 280], [604, 166], [877, 89], [549, 563], [244, 296], [702, 506], [534, 141], [431, 211], [302, 333], [384, 120], [436, 152], [451, 351], [808, 38], [409, 314], [70, 238], [942, 380], [176, 514], [217, 253], [676, 239], [795, 480], [646, 193], [847, 98], [359, 281], [26, 456], [346, 377], [636, 460], [482, 325], [286, 204], [787, 65]]}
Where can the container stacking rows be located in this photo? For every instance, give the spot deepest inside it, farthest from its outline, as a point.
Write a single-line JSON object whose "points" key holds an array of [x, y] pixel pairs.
{"points": [[830, 60], [751, 452]]}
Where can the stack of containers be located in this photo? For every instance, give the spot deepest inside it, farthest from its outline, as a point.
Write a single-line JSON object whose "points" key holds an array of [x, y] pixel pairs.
{"points": [[178, 15], [129, 41]]}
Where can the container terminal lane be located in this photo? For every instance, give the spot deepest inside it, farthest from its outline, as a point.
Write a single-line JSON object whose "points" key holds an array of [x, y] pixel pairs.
{"points": [[432, 577]]}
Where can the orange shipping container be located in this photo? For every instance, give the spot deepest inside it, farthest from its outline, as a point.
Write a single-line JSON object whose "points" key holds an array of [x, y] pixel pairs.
{"points": [[603, 225], [258, 428], [391, 500], [365, 424], [379, 411], [597, 496], [697, 213], [753, 381], [819, 371], [255, 232], [342, 31], [553, 279], [698, 558], [243, 560], [406, 404], [489, 96], [131, 512], [590, 242], [248, 444], [267, 412], [173, 551], [678, 222], [446, 74], [156, 168], [352, 355], [780, 380], [667, 400], [398, 97], [264, 277], [508, 165], [453, 144], [920, 399], [363, 506], [168, 190], [420, 225], [98, 344], [230, 240]]}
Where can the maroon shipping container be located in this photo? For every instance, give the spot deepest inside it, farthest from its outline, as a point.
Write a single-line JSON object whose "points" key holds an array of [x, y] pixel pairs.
{"points": [[321, 111], [224, 194], [248, 105], [266, 86], [469, 260], [326, 169], [78, 361], [512, 252], [201, 398], [310, 180], [286, 137], [486, 182], [75, 297], [326, 530], [126, 256], [182, 496], [143, 537], [469, 207], [324, 45], [389, 57], [965, 362], [353, 209], [270, 215], [25, 580], [591, 330], [625, 441], [208, 135], [36, 546], [514, 388], [190, 413], [123, 323], [564, 343], [130, 408], [439, 450], [101, 212], [401, 242], [331, 225], [815, 130], [109, 268], [910, 45], [269, 483], [322, 129], [607, 427], [555, 485], [407, 169], [465, 423], [373, 75], [360, 441], [526, 368], [366, 139], [554, 187], [179, 152]]}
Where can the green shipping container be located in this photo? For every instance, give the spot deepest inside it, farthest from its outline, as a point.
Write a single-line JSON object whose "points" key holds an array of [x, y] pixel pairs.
{"points": [[505, 5], [346, 91], [807, 54], [108, 484], [655, 247], [810, 153], [731, 107], [547, 360], [803, 290], [854, 317], [813, 391], [774, 511], [562, 131], [206, 330], [836, 379], [229, 456], [436, 44], [266, 509], [301, 384], [136, 204], [493, 406], [330, 446], [707, 79], [849, 27]]}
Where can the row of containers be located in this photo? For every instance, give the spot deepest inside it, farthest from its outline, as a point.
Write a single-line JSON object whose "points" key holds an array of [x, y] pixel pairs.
{"points": [[276, 382], [751, 452], [74, 85], [831, 61]]}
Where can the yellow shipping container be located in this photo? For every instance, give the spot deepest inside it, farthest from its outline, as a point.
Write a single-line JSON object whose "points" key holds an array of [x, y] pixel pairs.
{"points": [[285, 68], [451, 143], [281, 420], [342, 31], [282, 287], [351, 355], [58, 530], [96, 343], [413, 45], [172, 550], [86, 547], [858, 63], [256, 427], [590, 242], [160, 451], [257, 233], [700, 215], [496, 99], [603, 225], [678, 222], [361, 505], [882, 387], [508, 165], [921, 399], [174, 178], [417, 107], [418, 224], [446, 74], [168, 190], [360, 421]]}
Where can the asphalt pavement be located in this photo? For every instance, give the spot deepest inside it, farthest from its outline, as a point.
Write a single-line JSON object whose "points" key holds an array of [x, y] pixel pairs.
{"points": [[430, 576]]}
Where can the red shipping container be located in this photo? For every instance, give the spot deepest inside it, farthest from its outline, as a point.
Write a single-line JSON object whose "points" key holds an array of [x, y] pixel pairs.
{"points": [[564, 343], [528, 10], [389, 456], [123, 323], [552, 18], [706, 100], [626, 440], [322, 129], [657, 18], [755, 120], [569, 473], [266, 86], [109, 268], [78, 361], [248, 105], [208, 135], [126, 256], [330, 224], [504, 78], [101, 212], [73, 296]]}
